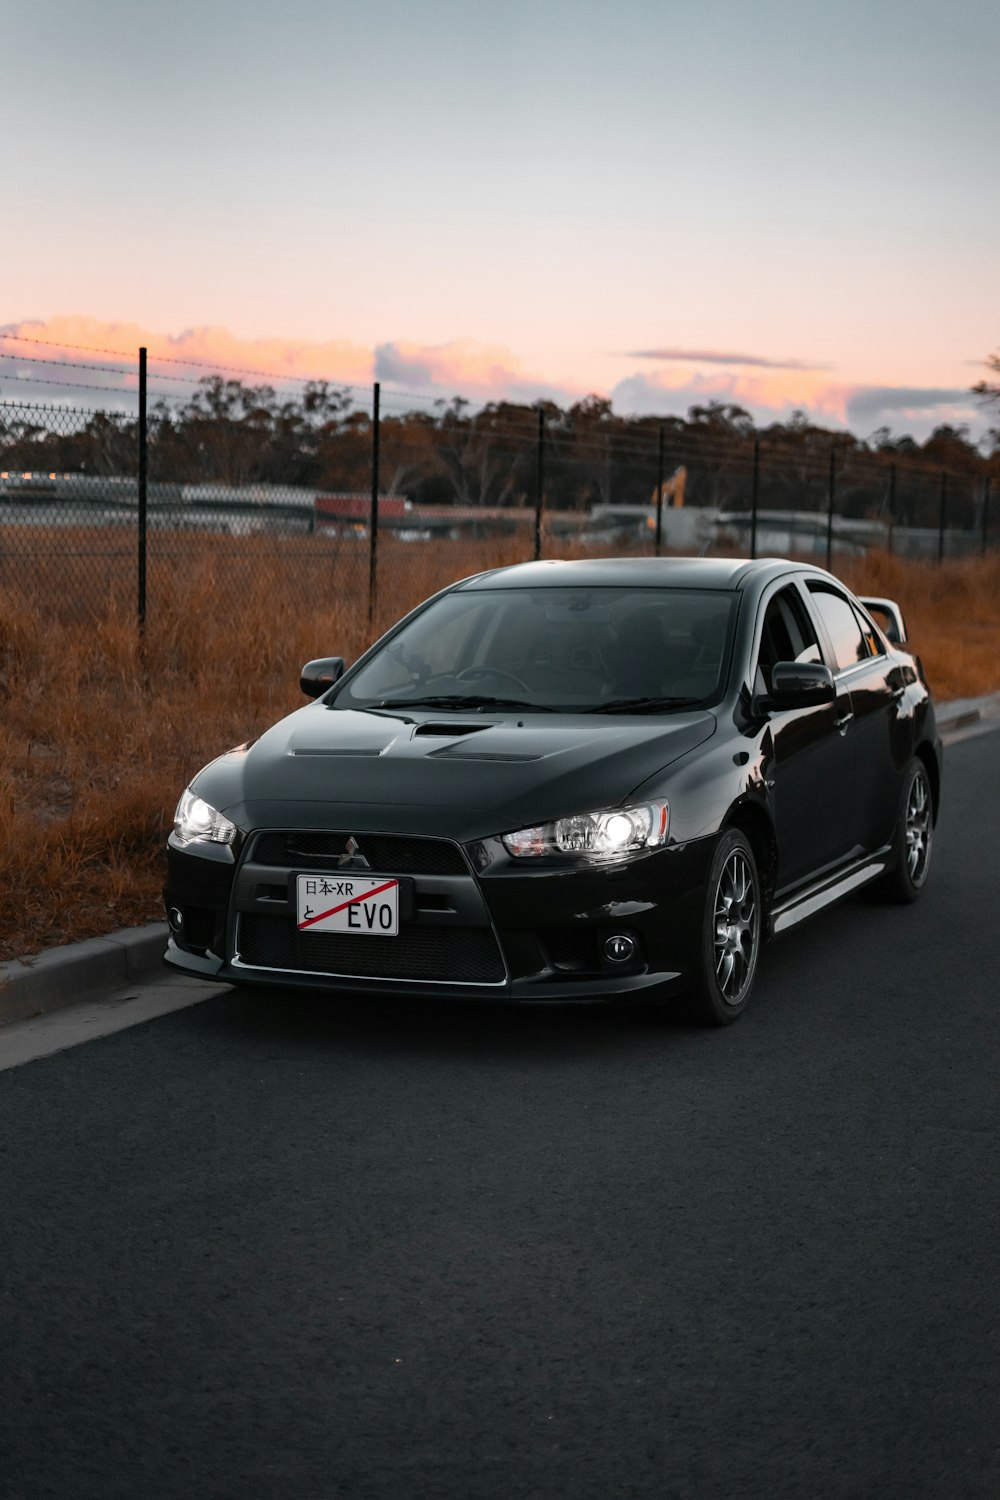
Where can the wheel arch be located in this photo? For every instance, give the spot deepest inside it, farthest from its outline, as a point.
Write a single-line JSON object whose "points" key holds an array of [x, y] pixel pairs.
{"points": [[926, 753], [755, 824]]}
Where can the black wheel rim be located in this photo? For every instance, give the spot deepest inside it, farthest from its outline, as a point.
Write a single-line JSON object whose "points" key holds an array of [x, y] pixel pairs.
{"points": [[918, 828], [737, 921]]}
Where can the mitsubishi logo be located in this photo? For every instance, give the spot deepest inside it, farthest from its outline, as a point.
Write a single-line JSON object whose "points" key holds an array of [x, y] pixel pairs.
{"points": [[352, 856]]}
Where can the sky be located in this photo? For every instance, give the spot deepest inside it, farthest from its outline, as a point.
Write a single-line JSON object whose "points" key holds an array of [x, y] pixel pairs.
{"points": [[784, 205]]}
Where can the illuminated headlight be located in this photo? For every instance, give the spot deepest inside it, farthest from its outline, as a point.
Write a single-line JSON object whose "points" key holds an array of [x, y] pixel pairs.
{"points": [[597, 835], [194, 819]]}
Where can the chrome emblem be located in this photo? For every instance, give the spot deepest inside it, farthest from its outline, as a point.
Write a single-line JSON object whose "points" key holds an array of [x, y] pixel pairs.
{"points": [[352, 856]]}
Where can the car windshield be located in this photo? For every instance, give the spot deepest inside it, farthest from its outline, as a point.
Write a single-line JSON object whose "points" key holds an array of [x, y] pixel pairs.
{"points": [[568, 650]]}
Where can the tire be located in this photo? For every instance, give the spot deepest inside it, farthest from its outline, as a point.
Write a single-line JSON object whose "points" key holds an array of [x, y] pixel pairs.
{"points": [[731, 934], [912, 839]]}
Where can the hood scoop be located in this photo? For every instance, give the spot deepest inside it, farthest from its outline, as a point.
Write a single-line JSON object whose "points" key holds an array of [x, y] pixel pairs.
{"points": [[446, 731], [459, 752], [333, 751]]}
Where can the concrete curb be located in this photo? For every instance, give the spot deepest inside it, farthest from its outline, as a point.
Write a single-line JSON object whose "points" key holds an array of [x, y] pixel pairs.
{"points": [[962, 712], [78, 971]]}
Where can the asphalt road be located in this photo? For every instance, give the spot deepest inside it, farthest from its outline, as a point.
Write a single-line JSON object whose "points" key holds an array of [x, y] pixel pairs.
{"points": [[259, 1249]]}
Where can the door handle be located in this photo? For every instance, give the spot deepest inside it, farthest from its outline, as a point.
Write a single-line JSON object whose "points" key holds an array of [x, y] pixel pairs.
{"points": [[843, 723]]}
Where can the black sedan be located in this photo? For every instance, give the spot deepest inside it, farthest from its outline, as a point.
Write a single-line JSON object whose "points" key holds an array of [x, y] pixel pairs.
{"points": [[564, 781]]}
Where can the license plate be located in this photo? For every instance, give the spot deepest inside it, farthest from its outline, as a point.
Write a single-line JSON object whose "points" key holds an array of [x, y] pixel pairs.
{"points": [[366, 905]]}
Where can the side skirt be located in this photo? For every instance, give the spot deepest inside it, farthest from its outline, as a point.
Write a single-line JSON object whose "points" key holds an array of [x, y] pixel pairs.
{"points": [[788, 913]]}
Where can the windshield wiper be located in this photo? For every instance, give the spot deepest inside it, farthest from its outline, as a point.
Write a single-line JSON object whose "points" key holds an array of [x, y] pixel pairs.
{"points": [[461, 701], [642, 705]]}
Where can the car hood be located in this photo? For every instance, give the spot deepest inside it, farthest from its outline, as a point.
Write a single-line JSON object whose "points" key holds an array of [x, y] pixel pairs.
{"points": [[456, 776]]}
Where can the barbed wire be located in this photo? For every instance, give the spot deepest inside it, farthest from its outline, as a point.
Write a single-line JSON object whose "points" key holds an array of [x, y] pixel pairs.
{"points": [[68, 364], [619, 444], [565, 444], [82, 385], [596, 446], [389, 391], [21, 338], [78, 385], [197, 364], [65, 364]]}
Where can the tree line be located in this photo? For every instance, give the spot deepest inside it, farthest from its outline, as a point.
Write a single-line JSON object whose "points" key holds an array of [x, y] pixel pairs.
{"points": [[232, 433]]}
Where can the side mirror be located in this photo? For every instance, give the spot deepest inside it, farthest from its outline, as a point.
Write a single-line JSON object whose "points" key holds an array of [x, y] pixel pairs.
{"points": [[318, 675], [799, 685], [888, 617]]}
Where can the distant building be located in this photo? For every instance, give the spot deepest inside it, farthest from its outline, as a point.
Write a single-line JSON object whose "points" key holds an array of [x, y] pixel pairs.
{"points": [[354, 505]]}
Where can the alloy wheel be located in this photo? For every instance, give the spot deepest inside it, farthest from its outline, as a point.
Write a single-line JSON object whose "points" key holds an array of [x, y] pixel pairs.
{"points": [[737, 922], [918, 828]]}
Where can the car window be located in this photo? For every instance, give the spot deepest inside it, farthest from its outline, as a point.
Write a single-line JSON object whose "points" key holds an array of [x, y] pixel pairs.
{"points": [[562, 648], [872, 639], [427, 653], [851, 641], [787, 634]]}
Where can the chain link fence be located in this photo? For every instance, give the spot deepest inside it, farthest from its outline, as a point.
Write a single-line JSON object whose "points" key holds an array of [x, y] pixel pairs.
{"points": [[237, 500], [68, 505]]}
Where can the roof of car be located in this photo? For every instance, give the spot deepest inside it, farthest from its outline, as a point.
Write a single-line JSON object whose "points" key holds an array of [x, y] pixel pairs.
{"points": [[632, 572]]}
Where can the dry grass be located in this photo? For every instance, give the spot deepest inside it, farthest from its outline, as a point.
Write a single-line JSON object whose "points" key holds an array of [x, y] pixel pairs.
{"points": [[98, 733], [952, 615]]}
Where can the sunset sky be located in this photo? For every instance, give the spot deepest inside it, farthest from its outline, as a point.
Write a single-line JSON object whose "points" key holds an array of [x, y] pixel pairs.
{"points": [[784, 204]]}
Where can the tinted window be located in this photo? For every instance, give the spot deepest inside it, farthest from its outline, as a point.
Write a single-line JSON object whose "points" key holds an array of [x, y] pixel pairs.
{"points": [[786, 635], [849, 641], [561, 648]]}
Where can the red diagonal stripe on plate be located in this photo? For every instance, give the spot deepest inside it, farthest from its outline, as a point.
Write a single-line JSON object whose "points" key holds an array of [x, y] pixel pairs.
{"points": [[365, 896]]}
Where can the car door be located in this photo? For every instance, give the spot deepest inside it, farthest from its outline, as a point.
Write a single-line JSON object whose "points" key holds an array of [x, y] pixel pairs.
{"points": [[806, 763], [876, 735]]}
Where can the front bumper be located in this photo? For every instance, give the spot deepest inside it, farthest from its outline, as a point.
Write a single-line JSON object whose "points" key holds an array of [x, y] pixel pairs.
{"points": [[480, 925]]}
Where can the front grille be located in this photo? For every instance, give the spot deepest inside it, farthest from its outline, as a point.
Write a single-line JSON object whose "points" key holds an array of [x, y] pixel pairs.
{"points": [[462, 955], [391, 854]]}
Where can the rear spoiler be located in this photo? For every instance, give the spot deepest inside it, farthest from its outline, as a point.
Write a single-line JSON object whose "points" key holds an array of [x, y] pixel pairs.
{"points": [[889, 617]]}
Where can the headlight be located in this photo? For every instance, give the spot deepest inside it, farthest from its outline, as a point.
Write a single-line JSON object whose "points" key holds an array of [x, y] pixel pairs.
{"points": [[194, 819], [597, 835]]}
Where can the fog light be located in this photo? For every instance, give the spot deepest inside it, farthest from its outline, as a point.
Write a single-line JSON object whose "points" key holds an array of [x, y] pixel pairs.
{"points": [[176, 919], [619, 949]]}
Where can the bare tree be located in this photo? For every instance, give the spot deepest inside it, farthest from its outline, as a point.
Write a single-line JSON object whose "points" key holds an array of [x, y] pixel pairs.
{"points": [[988, 390]]}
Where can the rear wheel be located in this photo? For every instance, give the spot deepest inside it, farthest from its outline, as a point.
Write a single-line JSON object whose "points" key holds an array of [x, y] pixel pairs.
{"points": [[913, 837], [730, 934]]}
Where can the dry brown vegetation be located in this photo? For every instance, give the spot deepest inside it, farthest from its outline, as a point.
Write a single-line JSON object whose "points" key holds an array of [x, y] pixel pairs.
{"points": [[99, 732]]}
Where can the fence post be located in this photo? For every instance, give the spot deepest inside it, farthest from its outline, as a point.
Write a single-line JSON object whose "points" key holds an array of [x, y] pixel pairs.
{"points": [[754, 496], [659, 490], [373, 517], [986, 513], [941, 515], [539, 482], [142, 494], [892, 504], [831, 490]]}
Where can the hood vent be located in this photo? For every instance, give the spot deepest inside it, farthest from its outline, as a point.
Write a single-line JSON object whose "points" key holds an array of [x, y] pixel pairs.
{"points": [[344, 751], [448, 731]]}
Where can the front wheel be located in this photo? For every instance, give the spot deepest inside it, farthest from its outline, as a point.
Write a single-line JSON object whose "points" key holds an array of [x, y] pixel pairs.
{"points": [[730, 934]]}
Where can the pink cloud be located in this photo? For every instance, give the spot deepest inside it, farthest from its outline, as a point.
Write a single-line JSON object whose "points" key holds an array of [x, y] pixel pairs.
{"points": [[767, 395], [96, 342], [771, 396], [481, 372], [464, 367]]}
